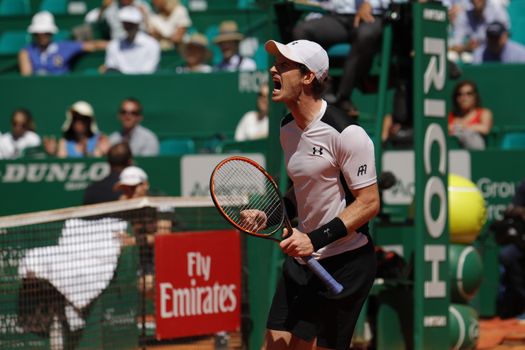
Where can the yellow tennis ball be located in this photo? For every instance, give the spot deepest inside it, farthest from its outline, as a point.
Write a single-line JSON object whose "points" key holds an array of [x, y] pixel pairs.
{"points": [[466, 209]]}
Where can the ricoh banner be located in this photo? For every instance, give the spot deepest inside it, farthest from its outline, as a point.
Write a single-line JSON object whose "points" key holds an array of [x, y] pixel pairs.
{"points": [[198, 283]]}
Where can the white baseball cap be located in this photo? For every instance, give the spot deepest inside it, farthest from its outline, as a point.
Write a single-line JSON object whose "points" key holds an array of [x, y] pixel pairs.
{"points": [[306, 52], [130, 14], [42, 22], [131, 176]]}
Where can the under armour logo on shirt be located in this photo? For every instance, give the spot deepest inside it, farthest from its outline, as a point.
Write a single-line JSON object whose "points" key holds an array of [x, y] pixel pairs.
{"points": [[317, 150], [361, 170]]}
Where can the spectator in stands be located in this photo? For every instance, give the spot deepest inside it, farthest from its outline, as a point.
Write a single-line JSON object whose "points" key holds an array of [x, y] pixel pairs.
{"points": [[108, 13], [119, 157], [228, 41], [196, 54], [133, 183], [81, 137], [498, 47], [254, 124], [398, 128], [469, 122], [347, 22], [143, 142], [470, 27], [138, 52], [169, 23], [45, 56], [21, 137]]}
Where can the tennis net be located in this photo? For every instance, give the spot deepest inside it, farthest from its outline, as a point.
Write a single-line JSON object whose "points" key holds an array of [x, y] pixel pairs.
{"points": [[76, 278]]}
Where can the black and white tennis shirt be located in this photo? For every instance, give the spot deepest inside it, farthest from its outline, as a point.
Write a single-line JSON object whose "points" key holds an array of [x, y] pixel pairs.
{"points": [[325, 161]]}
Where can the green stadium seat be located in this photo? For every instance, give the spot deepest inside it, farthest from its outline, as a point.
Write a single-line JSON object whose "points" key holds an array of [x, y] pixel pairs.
{"points": [[12, 41], [14, 7], [211, 32], [261, 58], [57, 7], [62, 35], [517, 19], [177, 146], [339, 50], [513, 140], [245, 4]]}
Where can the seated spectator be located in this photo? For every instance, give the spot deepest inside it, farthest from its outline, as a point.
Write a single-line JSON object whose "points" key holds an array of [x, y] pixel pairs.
{"points": [[138, 52], [196, 54], [108, 14], [359, 23], [228, 40], [22, 135], [469, 122], [498, 47], [119, 157], [133, 183], [470, 26], [143, 142], [44, 56], [398, 128], [169, 23], [254, 124], [81, 137]]}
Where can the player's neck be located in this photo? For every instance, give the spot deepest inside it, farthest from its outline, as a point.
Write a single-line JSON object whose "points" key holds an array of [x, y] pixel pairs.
{"points": [[305, 110]]}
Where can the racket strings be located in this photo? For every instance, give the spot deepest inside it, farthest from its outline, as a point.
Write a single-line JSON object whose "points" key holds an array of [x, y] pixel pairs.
{"points": [[248, 197]]}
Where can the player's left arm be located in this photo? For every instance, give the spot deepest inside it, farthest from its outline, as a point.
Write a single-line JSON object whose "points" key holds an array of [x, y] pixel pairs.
{"points": [[364, 208]]}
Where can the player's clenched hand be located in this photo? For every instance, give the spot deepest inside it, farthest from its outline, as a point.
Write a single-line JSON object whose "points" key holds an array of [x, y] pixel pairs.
{"points": [[297, 244], [253, 220]]}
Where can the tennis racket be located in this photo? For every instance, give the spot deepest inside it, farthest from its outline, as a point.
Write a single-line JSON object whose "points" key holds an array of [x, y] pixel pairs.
{"points": [[248, 198]]}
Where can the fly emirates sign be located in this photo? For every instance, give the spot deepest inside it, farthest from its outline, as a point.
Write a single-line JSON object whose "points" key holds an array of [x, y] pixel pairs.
{"points": [[198, 283]]}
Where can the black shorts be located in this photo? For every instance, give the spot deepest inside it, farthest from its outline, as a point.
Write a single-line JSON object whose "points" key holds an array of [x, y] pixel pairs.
{"points": [[302, 306]]}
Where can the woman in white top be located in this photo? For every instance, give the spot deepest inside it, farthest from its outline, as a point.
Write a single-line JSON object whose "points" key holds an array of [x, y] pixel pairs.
{"points": [[22, 135], [254, 124], [169, 23]]}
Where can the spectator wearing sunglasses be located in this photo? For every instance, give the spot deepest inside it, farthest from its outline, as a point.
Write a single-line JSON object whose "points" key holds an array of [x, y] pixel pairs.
{"points": [[142, 141], [21, 136], [80, 135], [468, 121]]}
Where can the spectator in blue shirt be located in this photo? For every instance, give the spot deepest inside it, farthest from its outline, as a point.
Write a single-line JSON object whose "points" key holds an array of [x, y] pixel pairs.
{"points": [[47, 57], [471, 25], [498, 47]]}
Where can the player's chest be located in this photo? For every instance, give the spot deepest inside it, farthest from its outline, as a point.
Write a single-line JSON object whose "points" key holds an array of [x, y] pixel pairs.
{"points": [[311, 158]]}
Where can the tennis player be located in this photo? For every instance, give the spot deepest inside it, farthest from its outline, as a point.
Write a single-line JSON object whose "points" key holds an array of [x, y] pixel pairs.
{"points": [[330, 160]]}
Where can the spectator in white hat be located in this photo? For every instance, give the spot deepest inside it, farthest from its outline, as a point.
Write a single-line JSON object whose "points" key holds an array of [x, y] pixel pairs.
{"points": [[80, 135], [138, 52], [108, 14], [228, 41], [133, 183], [45, 56]]}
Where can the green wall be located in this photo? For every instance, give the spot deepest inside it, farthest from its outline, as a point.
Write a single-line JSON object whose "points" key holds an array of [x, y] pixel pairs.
{"points": [[174, 104]]}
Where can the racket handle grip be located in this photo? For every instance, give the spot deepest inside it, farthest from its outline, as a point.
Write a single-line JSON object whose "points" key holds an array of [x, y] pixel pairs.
{"points": [[333, 286]]}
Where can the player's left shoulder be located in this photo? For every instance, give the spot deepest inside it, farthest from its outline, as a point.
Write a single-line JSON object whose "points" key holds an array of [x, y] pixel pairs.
{"points": [[338, 119]]}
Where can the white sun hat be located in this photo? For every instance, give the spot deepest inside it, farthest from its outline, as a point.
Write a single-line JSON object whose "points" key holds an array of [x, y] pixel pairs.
{"points": [[131, 176], [42, 22], [306, 52]]}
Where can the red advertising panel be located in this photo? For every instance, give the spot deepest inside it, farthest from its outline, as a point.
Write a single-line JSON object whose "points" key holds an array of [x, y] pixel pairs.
{"points": [[198, 283]]}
